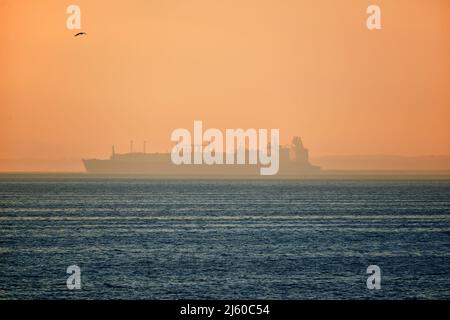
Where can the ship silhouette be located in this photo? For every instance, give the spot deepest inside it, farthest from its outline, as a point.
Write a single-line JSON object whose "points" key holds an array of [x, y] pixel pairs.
{"points": [[293, 160]]}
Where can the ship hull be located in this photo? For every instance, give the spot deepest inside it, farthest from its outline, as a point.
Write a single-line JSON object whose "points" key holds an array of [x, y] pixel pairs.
{"points": [[96, 166]]}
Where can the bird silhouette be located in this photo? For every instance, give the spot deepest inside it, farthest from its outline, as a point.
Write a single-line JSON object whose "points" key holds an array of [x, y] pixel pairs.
{"points": [[80, 34]]}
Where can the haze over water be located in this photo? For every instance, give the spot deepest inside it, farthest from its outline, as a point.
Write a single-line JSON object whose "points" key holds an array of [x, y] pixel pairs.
{"points": [[271, 239]]}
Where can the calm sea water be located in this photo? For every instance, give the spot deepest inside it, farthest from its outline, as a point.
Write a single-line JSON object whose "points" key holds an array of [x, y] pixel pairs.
{"points": [[150, 239]]}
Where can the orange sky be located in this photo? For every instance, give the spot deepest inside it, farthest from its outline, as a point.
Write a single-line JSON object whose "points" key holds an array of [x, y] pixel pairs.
{"points": [[310, 68]]}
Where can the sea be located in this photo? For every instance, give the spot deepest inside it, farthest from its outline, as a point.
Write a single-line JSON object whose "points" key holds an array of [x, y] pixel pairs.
{"points": [[223, 239]]}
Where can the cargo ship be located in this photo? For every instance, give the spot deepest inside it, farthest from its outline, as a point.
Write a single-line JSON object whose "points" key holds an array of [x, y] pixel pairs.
{"points": [[293, 161]]}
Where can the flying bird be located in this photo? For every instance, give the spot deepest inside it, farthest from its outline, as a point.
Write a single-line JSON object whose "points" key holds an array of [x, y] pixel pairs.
{"points": [[80, 34]]}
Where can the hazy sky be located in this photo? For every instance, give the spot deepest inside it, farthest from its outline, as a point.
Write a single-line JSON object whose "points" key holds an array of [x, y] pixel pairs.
{"points": [[147, 67]]}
